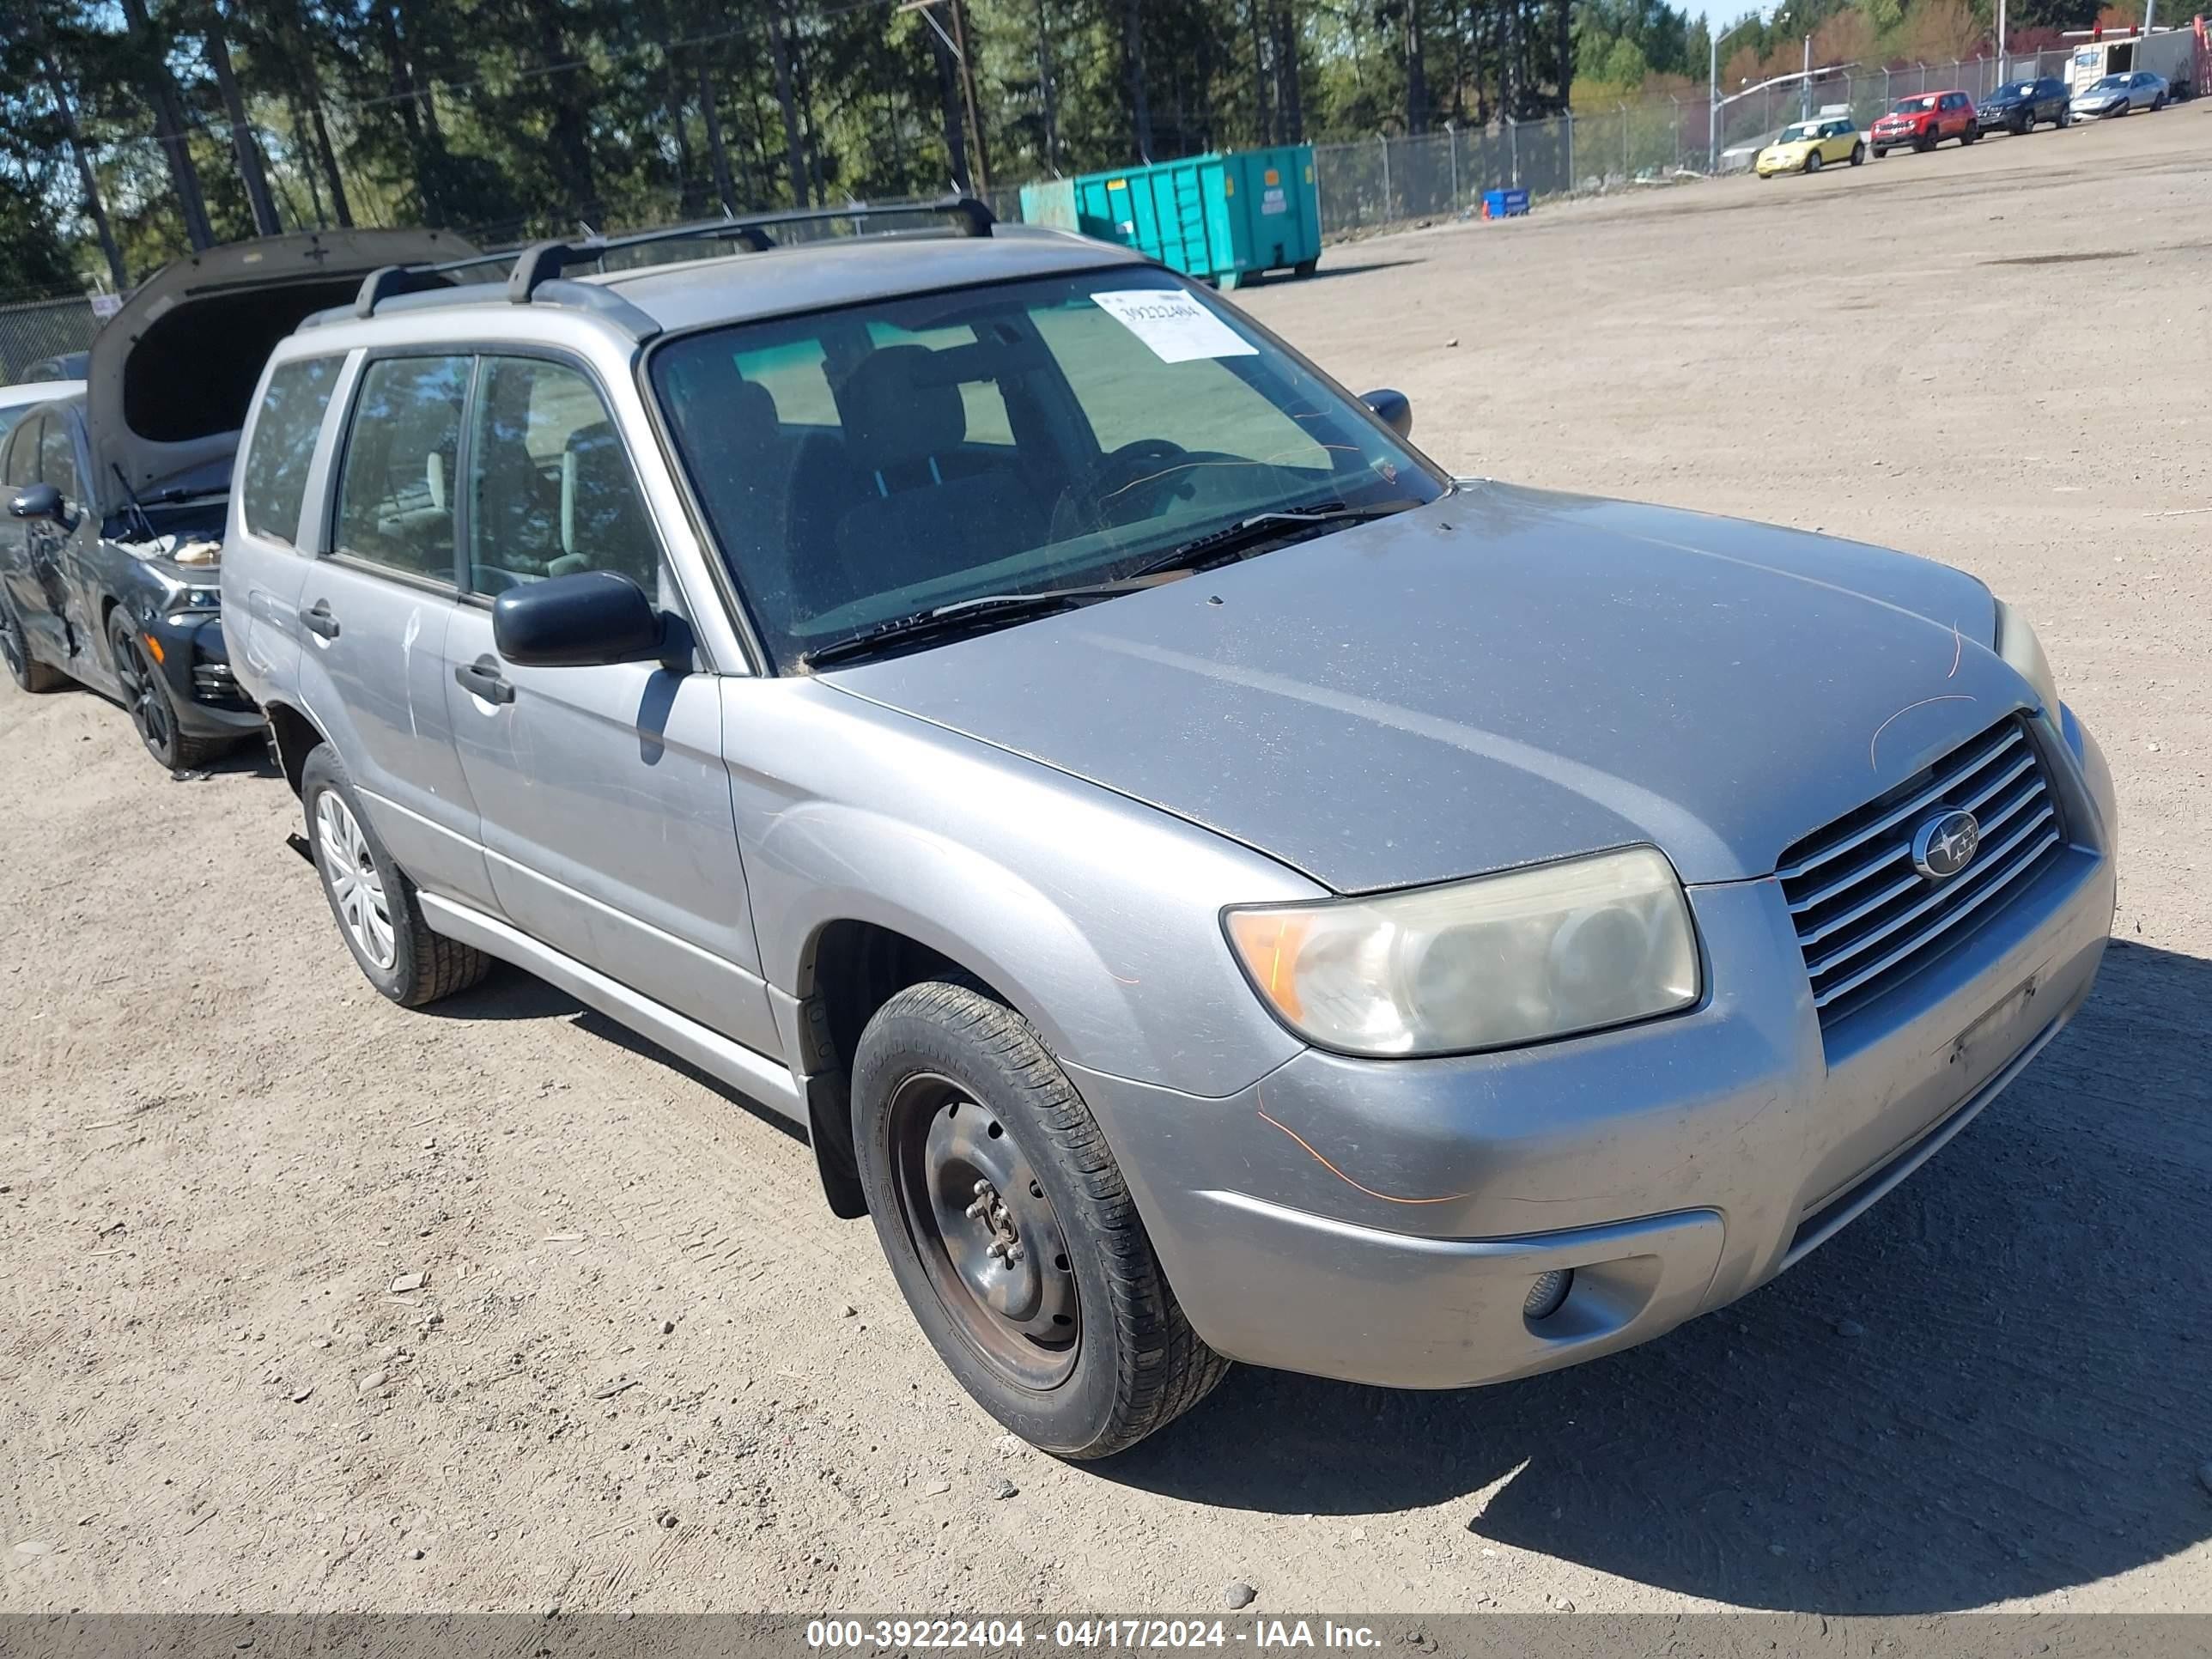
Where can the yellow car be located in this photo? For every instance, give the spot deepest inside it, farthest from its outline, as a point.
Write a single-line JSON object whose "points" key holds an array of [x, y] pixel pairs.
{"points": [[1807, 146]]}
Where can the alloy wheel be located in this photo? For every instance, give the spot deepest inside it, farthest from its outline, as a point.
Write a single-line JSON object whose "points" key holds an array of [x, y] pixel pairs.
{"points": [[986, 1233], [14, 646], [142, 695], [356, 889]]}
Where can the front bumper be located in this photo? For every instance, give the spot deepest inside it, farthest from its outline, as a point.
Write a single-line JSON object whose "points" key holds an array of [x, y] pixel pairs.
{"points": [[1901, 136], [195, 661], [1383, 1221]]}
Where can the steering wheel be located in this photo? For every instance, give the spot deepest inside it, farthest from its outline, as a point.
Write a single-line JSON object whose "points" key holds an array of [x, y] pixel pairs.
{"points": [[1134, 481]]}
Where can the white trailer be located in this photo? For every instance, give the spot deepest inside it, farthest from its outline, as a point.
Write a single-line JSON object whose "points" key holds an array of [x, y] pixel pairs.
{"points": [[2176, 54]]}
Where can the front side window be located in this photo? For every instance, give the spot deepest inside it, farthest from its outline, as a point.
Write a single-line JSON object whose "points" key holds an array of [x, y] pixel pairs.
{"points": [[868, 464], [396, 498], [551, 489], [273, 481]]}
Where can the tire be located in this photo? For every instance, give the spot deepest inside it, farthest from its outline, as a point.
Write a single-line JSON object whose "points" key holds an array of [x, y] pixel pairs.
{"points": [[26, 670], [1924, 143], [1858, 155], [1880, 151], [2158, 103], [374, 903], [1032, 1157], [1812, 161], [2022, 127], [146, 696]]}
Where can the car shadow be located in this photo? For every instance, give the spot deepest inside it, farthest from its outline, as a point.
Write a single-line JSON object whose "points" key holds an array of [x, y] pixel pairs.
{"points": [[511, 992], [1993, 1385]]}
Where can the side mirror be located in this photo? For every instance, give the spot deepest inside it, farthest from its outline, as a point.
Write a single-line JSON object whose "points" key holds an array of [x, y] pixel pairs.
{"points": [[38, 501], [1395, 409], [582, 621]]}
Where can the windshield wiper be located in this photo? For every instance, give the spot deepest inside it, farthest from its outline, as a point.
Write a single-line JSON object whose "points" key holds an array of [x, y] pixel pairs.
{"points": [[1236, 540], [1217, 546], [989, 609]]}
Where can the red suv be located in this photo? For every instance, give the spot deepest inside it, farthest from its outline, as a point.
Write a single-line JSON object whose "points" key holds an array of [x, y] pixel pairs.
{"points": [[1924, 121]]}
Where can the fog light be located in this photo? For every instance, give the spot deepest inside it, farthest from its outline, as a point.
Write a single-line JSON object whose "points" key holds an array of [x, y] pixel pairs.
{"points": [[1549, 1290]]}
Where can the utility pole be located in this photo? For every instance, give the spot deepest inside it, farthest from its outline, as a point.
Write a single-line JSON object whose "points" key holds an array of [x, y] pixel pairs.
{"points": [[982, 183], [964, 61]]}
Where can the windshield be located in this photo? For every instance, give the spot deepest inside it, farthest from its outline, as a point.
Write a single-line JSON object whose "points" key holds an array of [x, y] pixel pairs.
{"points": [[1916, 106], [2110, 83], [1803, 132], [867, 464], [2019, 89]]}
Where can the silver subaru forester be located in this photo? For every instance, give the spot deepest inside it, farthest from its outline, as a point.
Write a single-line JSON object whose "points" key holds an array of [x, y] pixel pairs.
{"points": [[1211, 885]]}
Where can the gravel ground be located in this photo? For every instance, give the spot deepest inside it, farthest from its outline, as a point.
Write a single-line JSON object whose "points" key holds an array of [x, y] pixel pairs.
{"points": [[647, 1369]]}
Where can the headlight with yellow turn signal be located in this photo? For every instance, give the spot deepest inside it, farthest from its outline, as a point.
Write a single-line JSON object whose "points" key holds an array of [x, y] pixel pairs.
{"points": [[1520, 957], [2017, 645]]}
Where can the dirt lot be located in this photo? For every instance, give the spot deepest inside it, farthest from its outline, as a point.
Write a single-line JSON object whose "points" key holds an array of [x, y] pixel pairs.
{"points": [[649, 1370]]}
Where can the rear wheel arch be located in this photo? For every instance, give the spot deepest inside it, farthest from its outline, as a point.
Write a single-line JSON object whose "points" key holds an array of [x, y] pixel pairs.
{"points": [[295, 736]]}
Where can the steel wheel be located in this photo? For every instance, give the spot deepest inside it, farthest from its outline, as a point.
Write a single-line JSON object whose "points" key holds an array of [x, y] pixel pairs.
{"points": [[985, 1232], [356, 889]]}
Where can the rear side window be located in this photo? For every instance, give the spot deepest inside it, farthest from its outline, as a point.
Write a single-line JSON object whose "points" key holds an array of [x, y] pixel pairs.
{"points": [[57, 459], [551, 489], [396, 498], [274, 480]]}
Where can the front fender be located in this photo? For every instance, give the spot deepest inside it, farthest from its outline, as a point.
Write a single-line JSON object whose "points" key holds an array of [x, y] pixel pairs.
{"points": [[1094, 916]]}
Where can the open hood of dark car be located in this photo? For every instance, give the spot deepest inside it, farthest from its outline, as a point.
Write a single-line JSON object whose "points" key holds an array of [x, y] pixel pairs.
{"points": [[173, 373]]}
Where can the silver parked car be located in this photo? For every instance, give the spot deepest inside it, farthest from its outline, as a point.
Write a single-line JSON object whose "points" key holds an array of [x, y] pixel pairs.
{"points": [[2120, 95], [1211, 885]]}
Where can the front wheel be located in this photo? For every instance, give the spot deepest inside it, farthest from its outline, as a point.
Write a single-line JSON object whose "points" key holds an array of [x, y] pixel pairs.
{"points": [[2158, 103], [1880, 151], [1813, 161], [146, 695], [378, 915], [1010, 1231], [1858, 155]]}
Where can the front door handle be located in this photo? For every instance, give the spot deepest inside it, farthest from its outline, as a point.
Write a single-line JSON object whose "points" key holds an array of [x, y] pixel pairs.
{"points": [[481, 678], [320, 621]]}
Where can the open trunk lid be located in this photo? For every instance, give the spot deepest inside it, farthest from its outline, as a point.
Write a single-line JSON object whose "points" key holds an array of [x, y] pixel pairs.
{"points": [[172, 375]]}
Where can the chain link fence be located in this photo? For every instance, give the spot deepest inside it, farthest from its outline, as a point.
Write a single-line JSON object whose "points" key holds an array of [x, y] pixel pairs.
{"points": [[32, 332], [1383, 181]]}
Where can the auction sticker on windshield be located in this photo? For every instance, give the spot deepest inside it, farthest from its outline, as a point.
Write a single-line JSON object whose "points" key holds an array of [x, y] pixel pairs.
{"points": [[1174, 325]]}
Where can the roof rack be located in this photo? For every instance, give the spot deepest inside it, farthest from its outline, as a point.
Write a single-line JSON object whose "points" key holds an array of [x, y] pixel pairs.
{"points": [[387, 281], [541, 262]]}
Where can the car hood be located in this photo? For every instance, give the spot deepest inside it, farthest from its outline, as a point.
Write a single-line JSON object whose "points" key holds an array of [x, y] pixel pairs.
{"points": [[1503, 676], [171, 374], [1896, 120]]}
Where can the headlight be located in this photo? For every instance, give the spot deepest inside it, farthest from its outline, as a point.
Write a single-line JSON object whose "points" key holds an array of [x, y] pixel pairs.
{"points": [[1517, 957], [2017, 645]]}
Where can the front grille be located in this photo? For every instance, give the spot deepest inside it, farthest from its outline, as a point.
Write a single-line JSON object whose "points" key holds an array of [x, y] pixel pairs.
{"points": [[1867, 920]]}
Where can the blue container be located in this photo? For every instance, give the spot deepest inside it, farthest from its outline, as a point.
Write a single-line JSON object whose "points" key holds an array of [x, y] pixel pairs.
{"points": [[1504, 204], [1221, 218]]}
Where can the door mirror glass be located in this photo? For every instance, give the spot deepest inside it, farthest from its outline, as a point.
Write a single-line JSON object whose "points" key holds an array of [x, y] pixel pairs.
{"points": [[1395, 409], [585, 620], [38, 501]]}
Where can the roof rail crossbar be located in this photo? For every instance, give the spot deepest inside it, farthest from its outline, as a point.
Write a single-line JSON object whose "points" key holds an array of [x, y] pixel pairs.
{"points": [[543, 261], [387, 281]]}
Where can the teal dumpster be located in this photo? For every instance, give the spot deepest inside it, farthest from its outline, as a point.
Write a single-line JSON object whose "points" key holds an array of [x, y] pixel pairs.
{"points": [[1221, 218]]}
